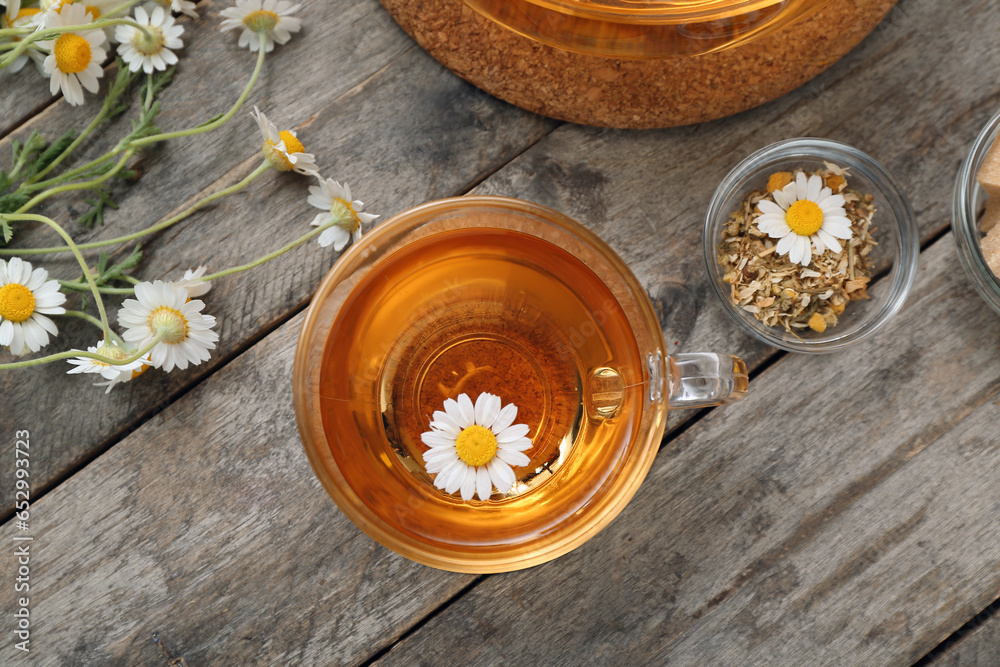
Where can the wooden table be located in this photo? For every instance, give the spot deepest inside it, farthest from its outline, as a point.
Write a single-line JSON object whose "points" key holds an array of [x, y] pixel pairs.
{"points": [[845, 513]]}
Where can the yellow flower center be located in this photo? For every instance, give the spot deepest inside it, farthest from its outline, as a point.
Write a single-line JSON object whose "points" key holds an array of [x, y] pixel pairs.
{"points": [[94, 12], [345, 215], [279, 160], [17, 303], [261, 20], [476, 445], [804, 217], [72, 53], [169, 324], [149, 44], [110, 351]]}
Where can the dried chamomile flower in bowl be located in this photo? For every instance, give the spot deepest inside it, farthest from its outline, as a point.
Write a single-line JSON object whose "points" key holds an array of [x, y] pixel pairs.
{"points": [[810, 245]]}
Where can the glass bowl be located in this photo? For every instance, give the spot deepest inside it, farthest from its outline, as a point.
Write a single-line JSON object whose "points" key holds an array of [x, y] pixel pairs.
{"points": [[968, 201], [894, 228]]}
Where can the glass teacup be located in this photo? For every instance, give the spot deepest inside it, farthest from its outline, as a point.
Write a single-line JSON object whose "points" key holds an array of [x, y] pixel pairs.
{"points": [[469, 296]]}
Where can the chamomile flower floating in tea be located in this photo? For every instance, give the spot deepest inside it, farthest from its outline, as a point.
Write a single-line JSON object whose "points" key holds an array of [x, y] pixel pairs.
{"points": [[26, 297], [114, 374], [74, 58], [804, 213], [162, 311], [785, 283], [283, 150], [263, 22], [149, 49], [473, 446], [344, 215]]}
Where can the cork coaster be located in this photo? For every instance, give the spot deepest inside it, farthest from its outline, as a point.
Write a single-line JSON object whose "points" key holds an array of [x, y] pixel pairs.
{"points": [[634, 93]]}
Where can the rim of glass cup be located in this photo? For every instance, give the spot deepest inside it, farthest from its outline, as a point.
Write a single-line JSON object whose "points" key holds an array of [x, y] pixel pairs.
{"points": [[907, 245], [966, 200]]}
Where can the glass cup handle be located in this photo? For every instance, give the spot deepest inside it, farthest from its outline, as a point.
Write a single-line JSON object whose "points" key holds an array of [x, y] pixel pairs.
{"points": [[704, 379]]}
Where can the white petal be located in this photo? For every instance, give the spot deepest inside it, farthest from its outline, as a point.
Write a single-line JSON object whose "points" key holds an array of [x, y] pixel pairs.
{"points": [[831, 204], [484, 484], [482, 408], [785, 244], [767, 206], [501, 474], [45, 323], [436, 439], [829, 240], [512, 457], [518, 445], [801, 186], [468, 483], [6, 332], [506, 417], [466, 410], [446, 422], [780, 199], [813, 187], [818, 241], [512, 433]]}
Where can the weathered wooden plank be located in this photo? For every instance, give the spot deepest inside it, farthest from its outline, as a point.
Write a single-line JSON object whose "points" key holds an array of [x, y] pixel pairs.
{"points": [[447, 136], [208, 527], [845, 508], [980, 648]]}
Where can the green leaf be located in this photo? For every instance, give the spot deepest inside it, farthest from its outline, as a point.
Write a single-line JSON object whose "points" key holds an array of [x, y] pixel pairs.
{"points": [[5, 181], [13, 201], [51, 152], [116, 102], [95, 216], [8, 233], [106, 274]]}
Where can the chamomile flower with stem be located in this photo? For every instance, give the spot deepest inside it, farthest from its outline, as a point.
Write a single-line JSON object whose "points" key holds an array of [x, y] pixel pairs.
{"points": [[262, 22], [283, 150], [74, 58], [113, 374], [342, 218], [163, 313], [27, 298], [150, 47]]}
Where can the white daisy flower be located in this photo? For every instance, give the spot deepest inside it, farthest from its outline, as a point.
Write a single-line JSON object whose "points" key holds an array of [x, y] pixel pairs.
{"points": [[283, 150], [161, 309], [263, 21], [802, 214], [193, 283], [26, 297], [473, 446], [74, 57], [17, 17], [335, 199], [153, 51], [179, 7], [113, 374]]}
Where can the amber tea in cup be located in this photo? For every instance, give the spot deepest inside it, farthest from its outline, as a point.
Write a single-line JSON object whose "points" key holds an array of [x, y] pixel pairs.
{"points": [[485, 294]]}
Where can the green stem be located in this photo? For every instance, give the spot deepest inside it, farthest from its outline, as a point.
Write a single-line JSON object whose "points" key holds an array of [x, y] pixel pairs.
{"points": [[206, 127], [271, 255], [76, 142], [71, 174], [84, 185], [70, 354], [149, 230], [79, 258], [76, 286], [96, 322]]}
